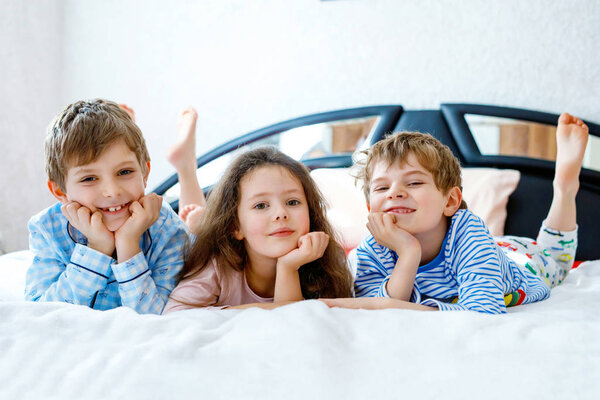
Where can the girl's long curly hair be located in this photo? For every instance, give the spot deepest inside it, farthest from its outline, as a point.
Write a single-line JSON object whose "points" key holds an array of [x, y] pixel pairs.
{"points": [[326, 277]]}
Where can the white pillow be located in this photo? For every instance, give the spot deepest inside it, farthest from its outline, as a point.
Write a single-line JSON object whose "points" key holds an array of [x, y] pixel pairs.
{"points": [[13, 268], [486, 191], [347, 210]]}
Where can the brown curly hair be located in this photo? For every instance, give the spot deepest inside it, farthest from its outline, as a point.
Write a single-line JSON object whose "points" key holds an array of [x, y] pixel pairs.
{"points": [[326, 277]]}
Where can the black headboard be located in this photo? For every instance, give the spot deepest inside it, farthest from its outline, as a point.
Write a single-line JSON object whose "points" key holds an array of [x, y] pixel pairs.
{"points": [[527, 206], [530, 202]]}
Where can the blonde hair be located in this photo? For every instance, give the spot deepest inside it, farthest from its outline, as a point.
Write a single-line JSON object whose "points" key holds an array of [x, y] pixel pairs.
{"points": [[83, 130], [432, 154]]}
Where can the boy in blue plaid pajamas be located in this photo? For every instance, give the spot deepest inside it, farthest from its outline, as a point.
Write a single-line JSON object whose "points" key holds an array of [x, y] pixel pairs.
{"points": [[105, 244]]}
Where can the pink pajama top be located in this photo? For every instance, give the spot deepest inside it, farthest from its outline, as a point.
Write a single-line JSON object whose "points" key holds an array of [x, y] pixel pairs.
{"points": [[213, 289]]}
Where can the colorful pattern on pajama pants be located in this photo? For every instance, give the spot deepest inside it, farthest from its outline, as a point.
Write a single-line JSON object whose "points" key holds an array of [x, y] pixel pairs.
{"points": [[550, 257]]}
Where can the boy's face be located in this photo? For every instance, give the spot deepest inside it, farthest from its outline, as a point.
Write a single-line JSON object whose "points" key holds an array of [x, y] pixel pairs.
{"points": [[108, 184], [408, 191]]}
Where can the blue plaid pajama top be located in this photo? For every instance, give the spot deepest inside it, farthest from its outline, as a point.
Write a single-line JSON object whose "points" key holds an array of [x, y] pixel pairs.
{"points": [[65, 269]]}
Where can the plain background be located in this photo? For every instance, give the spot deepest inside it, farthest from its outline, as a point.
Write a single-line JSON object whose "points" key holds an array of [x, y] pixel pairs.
{"points": [[244, 64]]}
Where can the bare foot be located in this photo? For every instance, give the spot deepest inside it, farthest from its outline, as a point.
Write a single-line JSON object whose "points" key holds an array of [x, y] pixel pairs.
{"points": [[192, 214], [182, 155], [571, 140], [129, 111]]}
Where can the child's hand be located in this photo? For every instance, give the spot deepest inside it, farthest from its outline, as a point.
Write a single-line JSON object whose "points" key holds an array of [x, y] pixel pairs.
{"points": [[385, 231], [144, 213], [310, 247], [91, 226], [192, 214]]}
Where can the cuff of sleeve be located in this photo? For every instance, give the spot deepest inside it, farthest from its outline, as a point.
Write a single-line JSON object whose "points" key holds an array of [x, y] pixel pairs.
{"points": [[92, 260], [415, 296], [442, 306], [383, 288], [131, 269]]}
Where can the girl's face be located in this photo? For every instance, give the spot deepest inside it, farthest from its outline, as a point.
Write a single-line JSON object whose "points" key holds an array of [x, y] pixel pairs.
{"points": [[272, 213]]}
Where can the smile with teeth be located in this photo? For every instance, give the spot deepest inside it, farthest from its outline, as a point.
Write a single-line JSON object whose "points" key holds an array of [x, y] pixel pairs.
{"points": [[400, 210], [114, 208]]}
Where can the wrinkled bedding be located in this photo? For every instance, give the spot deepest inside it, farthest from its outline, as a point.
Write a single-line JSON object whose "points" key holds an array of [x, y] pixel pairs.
{"points": [[305, 350]]}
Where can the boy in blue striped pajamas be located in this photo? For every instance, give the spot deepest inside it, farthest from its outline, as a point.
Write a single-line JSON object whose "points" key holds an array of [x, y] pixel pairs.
{"points": [[105, 244], [427, 251]]}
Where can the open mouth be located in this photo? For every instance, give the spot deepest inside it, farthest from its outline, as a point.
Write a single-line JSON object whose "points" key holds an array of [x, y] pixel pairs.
{"points": [[114, 208], [400, 210]]}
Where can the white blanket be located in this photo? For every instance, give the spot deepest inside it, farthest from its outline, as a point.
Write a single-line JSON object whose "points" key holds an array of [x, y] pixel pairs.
{"points": [[305, 350]]}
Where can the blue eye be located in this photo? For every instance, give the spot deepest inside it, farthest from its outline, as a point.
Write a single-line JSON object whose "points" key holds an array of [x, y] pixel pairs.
{"points": [[293, 202], [125, 172], [88, 179], [380, 189]]}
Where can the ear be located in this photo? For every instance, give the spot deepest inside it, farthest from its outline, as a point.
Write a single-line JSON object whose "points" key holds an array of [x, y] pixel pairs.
{"points": [[147, 173], [57, 192], [238, 234], [368, 206], [453, 202]]}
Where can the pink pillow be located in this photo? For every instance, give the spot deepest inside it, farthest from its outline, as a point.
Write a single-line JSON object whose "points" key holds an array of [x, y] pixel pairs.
{"points": [[347, 207], [485, 190]]}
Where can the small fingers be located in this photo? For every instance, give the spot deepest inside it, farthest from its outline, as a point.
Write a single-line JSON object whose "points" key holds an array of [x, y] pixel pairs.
{"points": [[151, 200], [304, 241], [69, 210], [96, 219], [136, 207], [388, 219], [83, 213]]}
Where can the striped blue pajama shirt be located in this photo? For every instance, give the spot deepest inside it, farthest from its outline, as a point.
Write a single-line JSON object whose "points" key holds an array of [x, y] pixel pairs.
{"points": [[470, 267]]}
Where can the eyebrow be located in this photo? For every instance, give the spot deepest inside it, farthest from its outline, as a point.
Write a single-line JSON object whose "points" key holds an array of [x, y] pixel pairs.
{"points": [[285, 192], [86, 170], [407, 174], [416, 172]]}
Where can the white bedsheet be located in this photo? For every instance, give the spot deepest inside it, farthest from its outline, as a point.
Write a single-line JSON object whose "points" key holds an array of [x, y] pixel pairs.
{"points": [[305, 350]]}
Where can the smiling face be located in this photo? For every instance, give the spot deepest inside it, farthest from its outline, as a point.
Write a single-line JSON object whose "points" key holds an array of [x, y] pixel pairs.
{"points": [[408, 191], [109, 184], [272, 213]]}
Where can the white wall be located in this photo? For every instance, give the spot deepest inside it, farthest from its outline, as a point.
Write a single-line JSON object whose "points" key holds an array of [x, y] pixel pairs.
{"points": [[30, 94], [246, 64]]}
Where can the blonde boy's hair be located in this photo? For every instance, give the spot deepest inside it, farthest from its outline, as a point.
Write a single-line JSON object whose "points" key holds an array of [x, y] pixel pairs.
{"points": [[432, 154], [83, 130]]}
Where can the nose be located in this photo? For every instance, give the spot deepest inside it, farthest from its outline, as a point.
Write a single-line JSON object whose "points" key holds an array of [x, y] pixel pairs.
{"points": [[110, 188], [396, 191], [281, 213]]}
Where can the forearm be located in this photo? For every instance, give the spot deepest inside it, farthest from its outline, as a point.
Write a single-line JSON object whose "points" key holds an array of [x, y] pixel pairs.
{"points": [[287, 286], [127, 248], [49, 279], [264, 306], [401, 282], [375, 303]]}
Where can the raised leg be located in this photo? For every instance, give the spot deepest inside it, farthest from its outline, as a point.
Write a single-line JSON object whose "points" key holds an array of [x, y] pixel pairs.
{"points": [[182, 155], [571, 140]]}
